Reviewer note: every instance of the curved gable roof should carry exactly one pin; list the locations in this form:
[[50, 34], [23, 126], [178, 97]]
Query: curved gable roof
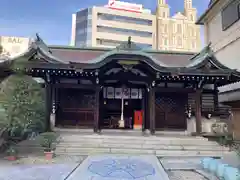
[[131, 51]]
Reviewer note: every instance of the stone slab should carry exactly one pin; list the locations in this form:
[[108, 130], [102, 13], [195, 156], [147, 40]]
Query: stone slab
[[181, 164], [120, 167], [36, 172]]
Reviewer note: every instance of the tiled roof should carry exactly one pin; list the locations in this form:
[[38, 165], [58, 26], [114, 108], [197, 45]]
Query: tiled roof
[[229, 87], [76, 55], [97, 57]]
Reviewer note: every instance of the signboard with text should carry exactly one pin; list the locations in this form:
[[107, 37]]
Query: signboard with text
[[13, 46], [120, 5]]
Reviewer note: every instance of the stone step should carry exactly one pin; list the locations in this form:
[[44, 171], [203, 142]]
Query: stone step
[[160, 153], [95, 136], [142, 146], [138, 141]]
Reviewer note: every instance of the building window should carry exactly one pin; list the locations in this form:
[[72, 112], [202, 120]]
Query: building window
[[192, 18], [113, 43], [174, 41], [124, 19], [191, 31], [129, 32], [164, 14], [193, 45], [179, 41], [165, 41], [179, 28], [230, 14], [165, 28]]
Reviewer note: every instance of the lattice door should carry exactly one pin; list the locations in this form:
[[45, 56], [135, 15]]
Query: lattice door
[[170, 111]]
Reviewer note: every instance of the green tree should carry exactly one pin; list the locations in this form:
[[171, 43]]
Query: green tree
[[22, 99]]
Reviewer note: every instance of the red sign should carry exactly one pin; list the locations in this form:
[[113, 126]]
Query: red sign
[[138, 119], [120, 5]]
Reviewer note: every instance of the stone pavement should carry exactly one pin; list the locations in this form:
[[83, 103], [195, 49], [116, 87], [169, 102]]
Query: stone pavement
[[120, 167], [36, 172], [99, 167], [39, 160]]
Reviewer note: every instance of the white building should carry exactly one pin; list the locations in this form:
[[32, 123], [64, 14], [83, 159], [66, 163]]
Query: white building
[[222, 29], [13, 46]]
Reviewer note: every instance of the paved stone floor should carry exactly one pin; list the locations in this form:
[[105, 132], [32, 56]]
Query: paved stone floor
[[38, 160], [120, 167], [185, 175], [36, 172], [108, 167]]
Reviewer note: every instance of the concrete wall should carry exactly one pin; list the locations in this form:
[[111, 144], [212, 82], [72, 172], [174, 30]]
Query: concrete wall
[[224, 43]]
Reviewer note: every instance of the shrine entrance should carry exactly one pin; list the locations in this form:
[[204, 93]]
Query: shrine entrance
[[121, 108], [170, 111]]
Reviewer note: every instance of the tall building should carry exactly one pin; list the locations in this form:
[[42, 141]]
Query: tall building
[[222, 29], [112, 24], [179, 32], [108, 27]]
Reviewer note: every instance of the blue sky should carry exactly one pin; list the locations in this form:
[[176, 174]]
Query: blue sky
[[52, 19]]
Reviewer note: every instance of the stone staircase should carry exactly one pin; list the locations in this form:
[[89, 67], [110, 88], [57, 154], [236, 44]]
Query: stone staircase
[[164, 145]]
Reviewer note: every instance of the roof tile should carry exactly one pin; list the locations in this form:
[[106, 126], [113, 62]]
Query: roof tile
[[83, 56]]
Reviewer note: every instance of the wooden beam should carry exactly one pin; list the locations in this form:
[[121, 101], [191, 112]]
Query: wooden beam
[[182, 90], [126, 77], [75, 86]]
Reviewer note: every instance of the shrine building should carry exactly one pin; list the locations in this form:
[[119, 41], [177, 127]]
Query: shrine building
[[127, 87]]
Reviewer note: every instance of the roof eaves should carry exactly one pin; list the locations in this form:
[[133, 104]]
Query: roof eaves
[[168, 52], [51, 57], [80, 48], [200, 20], [43, 49], [229, 87]]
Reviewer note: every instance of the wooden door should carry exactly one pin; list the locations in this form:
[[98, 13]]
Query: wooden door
[[138, 120], [170, 111], [76, 108]]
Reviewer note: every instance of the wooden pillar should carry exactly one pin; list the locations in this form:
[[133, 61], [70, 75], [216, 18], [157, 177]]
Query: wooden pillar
[[198, 111], [96, 114], [48, 102], [152, 109], [215, 98], [144, 110], [53, 109]]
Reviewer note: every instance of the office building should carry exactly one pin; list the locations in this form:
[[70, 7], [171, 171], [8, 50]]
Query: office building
[[110, 25]]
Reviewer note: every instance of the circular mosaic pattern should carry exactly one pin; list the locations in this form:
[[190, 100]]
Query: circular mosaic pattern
[[121, 168]]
